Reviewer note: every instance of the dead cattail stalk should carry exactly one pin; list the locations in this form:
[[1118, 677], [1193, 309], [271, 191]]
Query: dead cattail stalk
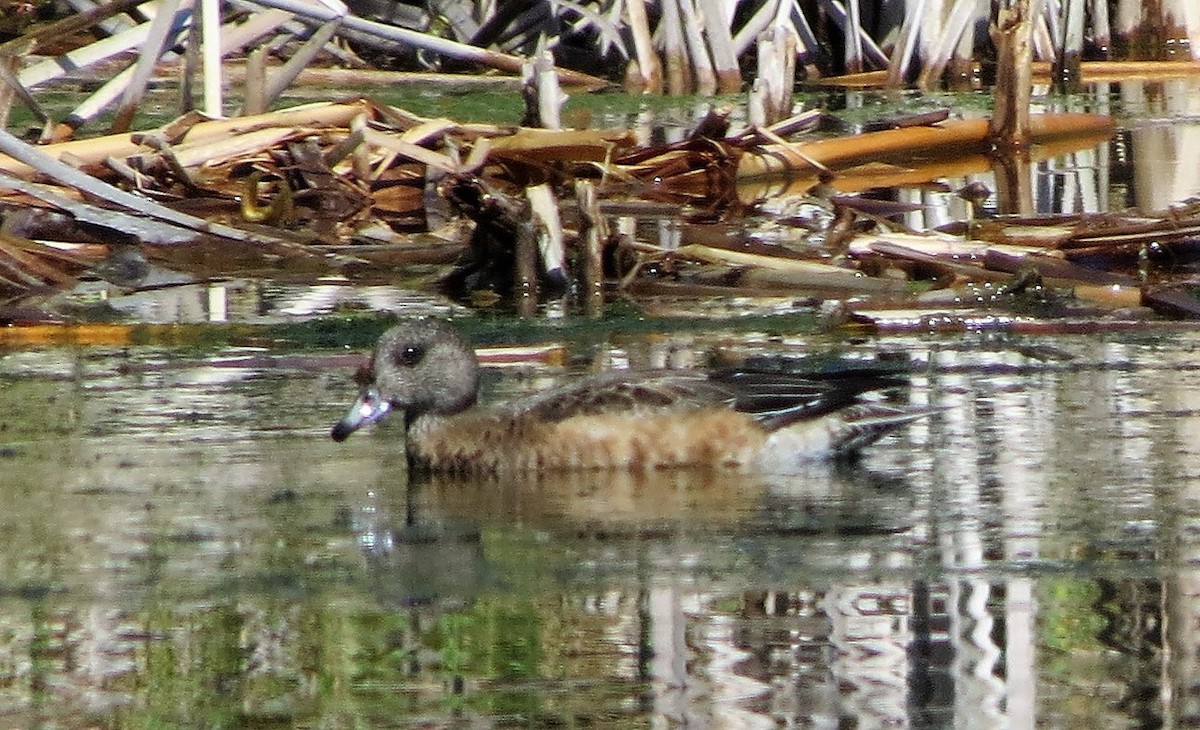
[[646, 75], [671, 30], [593, 232], [720, 43], [1012, 34]]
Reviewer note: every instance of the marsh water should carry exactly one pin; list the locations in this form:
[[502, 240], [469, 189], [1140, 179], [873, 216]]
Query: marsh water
[[182, 545]]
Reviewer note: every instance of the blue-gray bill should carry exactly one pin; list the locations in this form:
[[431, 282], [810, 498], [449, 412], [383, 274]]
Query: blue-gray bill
[[369, 407]]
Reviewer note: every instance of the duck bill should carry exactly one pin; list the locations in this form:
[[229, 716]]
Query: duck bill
[[367, 409]]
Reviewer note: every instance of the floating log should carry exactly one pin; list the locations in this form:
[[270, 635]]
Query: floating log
[[910, 145], [1090, 72], [1179, 299]]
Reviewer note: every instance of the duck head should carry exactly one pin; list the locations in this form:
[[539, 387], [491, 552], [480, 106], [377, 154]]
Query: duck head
[[418, 367]]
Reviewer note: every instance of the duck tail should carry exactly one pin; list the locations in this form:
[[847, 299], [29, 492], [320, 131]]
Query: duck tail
[[862, 424], [837, 435]]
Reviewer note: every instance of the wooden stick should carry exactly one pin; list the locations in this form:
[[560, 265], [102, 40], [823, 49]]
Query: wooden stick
[[371, 30], [284, 77], [593, 231], [702, 67], [729, 76], [671, 28], [910, 144], [161, 30], [648, 79], [1012, 34], [210, 30], [255, 84]]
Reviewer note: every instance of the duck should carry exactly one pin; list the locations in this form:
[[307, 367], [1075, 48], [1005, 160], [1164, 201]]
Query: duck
[[425, 371]]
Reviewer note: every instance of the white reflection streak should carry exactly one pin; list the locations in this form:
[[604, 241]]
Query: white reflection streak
[[978, 695], [1181, 595], [961, 544], [668, 667], [1010, 428], [322, 298], [1129, 404], [1091, 168], [1020, 652], [1027, 425], [697, 693], [729, 689], [1164, 166], [980, 704], [870, 628], [315, 299], [218, 303]]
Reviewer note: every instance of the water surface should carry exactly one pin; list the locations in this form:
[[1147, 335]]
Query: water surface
[[184, 546]]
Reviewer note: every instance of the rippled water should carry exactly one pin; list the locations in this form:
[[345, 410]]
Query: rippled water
[[182, 545]]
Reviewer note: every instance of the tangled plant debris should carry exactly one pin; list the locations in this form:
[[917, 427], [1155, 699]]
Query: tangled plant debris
[[347, 188], [514, 216]]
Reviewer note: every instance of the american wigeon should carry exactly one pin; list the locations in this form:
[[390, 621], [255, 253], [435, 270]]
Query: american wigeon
[[769, 422]]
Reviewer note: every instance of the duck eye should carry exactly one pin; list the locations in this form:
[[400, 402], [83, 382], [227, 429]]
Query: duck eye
[[409, 356]]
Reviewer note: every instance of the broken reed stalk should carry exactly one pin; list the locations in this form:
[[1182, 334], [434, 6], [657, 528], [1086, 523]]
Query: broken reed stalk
[[8, 89], [593, 232], [154, 223], [546, 216], [187, 70], [1070, 47], [156, 42], [278, 82], [386, 36], [95, 151], [541, 92], [525, 278], [963, 12], [701, 62], [1013, 36], [748, 33], [1101, 29], [854, 46], [15, 51], [645, 74], [771, 97], [210, 52], [671, 28], [255, 84], [902, 53], [720, 40]]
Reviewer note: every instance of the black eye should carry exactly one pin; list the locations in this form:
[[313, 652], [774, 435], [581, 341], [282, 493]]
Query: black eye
[[409, 356]]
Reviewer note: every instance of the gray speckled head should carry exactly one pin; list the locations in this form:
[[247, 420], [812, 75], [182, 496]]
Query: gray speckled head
[[419, 366]]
